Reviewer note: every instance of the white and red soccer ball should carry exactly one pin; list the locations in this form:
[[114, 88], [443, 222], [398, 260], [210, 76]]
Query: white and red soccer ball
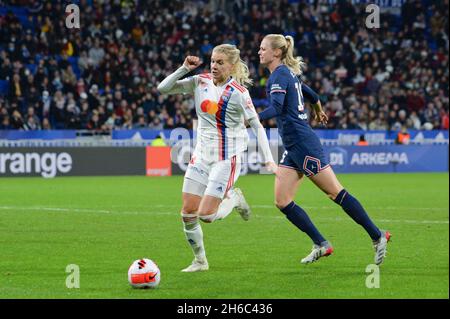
[[144, 273]]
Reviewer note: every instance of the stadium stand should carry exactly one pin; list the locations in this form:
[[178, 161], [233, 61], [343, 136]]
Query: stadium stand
[[103, 76]]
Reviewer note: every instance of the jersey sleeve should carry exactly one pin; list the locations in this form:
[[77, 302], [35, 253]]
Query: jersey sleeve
[[278, 84], [277, 90], [172, 85], [247, 106], [188, 84], [309, 94]]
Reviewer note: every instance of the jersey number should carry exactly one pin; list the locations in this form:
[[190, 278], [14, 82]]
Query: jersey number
[[301, 105]]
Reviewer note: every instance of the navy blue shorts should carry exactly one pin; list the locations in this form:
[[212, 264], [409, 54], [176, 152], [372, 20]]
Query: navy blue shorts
[[306, 160]]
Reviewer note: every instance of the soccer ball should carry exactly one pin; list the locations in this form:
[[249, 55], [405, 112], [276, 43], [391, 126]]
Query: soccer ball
[[144, 273]]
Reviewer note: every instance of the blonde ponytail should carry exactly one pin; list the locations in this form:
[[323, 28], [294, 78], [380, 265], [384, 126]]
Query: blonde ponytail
[[240, 70], [286, 45]]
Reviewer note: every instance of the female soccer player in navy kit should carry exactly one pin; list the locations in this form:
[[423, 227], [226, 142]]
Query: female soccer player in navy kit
[[303, 152]]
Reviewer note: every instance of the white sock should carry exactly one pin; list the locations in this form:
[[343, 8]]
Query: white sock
[[227, 205], [194, 236]]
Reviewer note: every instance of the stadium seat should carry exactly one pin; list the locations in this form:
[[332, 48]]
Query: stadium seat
[[18, 10], [4, 87]]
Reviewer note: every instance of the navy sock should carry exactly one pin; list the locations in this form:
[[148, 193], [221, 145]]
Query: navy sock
[[354, 209], [299, 218]]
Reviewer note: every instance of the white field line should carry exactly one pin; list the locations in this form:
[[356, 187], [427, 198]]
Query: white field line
[[175, 213], [318, 207]]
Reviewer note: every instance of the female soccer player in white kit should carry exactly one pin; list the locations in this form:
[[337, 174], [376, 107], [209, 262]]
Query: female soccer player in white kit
[[222, 104]]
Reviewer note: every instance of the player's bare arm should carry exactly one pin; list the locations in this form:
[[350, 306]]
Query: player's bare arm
[[319, 114]]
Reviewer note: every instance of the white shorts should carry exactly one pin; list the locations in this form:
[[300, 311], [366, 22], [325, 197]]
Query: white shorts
[[211, 178]]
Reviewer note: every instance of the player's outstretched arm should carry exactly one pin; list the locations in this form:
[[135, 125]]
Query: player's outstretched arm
[[275, 107], [319, 114], [192, 62], [313, 97], [172, 83], [263, 144]]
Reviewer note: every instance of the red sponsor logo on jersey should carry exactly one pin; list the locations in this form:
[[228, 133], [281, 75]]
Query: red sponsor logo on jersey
[[208, 106]]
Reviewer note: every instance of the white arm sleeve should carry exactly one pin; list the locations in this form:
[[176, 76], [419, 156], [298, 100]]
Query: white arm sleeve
[[172, 85], [263, 142]]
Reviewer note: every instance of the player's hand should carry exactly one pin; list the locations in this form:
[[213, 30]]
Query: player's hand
[[192, 62], [321, 117], [272, 167]]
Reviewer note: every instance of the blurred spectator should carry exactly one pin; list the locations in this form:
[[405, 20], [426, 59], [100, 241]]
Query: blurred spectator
[[156, 124], [403, 137], [94, 122], [386, 79], [158, 141], [46, 124], [362, 141], [5, 124]]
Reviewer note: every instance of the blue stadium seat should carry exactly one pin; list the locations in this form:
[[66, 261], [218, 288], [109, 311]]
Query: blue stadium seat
[[23, 18], [4, 87], [73, 60], [18, 10]]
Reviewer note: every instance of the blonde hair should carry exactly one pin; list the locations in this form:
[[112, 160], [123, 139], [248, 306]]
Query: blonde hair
[[240, 70], [286, 45]]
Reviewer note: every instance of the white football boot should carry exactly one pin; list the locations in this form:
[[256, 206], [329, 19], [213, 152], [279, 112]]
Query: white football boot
[[380, 246], [317, 252], [197, 265], [242, 207]]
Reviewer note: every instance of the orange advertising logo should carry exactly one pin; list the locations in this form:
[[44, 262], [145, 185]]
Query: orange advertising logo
[[158, 161]]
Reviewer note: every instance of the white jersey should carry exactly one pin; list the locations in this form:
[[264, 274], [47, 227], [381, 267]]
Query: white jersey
[[221, 110]]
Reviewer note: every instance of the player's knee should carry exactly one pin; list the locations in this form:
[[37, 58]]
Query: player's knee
[[333, 194], [189, 217], [189, 208], [281, 203], [207, 217]]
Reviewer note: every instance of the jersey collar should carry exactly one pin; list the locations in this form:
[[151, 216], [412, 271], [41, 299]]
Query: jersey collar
[[282, 64], [226, 83]]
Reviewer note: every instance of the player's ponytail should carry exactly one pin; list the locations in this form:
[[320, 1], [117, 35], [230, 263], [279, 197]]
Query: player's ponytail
[[240, 70], [296, 64], [286, 45]]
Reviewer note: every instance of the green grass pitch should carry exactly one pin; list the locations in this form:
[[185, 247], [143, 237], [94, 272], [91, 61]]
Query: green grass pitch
[[102, 224]]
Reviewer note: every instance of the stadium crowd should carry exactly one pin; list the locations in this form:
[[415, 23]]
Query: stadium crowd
[[104, 75]]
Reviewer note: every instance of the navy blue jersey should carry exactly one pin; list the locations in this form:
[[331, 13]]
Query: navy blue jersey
[[286, 93]]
